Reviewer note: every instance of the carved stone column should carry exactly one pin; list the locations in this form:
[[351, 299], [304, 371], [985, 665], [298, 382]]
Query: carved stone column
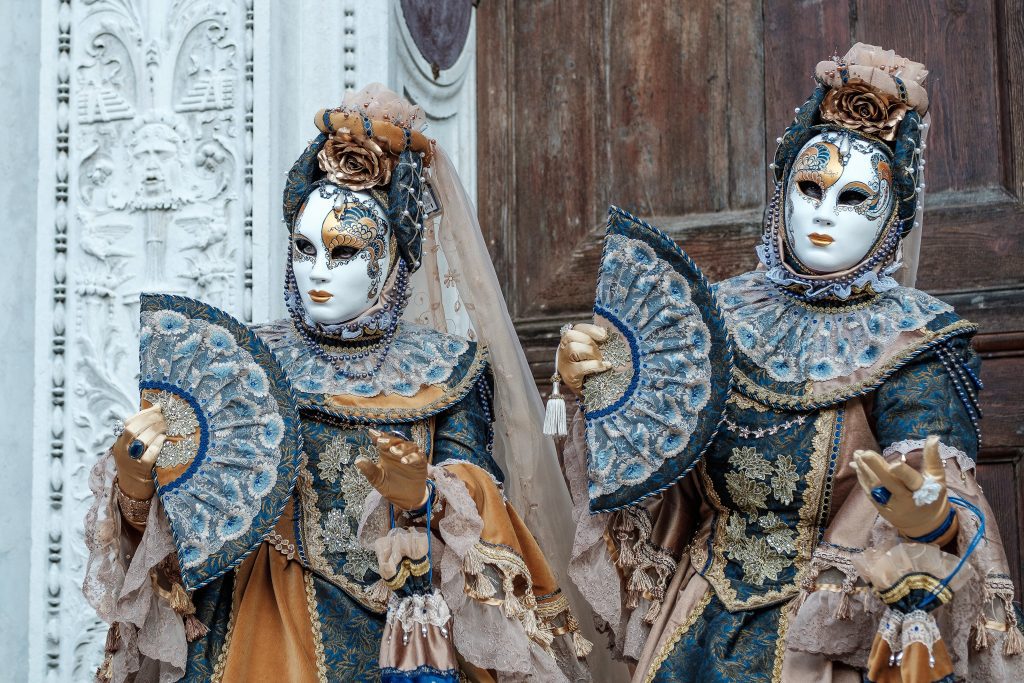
[[166, 128]]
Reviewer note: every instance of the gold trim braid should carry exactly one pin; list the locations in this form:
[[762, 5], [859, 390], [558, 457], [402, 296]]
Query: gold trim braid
[[680, 631]]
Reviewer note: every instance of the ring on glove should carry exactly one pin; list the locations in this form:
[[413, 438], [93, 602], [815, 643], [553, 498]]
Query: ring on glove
[[118, 427], [135, 449], [881, 495]]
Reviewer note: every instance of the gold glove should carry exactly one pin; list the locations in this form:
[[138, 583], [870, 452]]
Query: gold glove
[[401, 474], [913, 502], [579, 356], [135, 475]]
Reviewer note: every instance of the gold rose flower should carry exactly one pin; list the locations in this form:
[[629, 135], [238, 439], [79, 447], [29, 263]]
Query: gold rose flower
[[859, 107], [354, 160]]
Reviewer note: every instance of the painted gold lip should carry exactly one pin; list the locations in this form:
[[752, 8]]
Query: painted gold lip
[[319, 296], [820, 240]]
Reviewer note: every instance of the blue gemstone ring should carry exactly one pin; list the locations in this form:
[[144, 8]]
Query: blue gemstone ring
[[136, 448], [881, 495]]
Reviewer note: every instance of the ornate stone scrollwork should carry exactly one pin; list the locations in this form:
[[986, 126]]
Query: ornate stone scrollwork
[[153, 192]]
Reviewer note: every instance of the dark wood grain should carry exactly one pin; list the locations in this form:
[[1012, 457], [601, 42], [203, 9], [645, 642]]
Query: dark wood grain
[[671, 110]]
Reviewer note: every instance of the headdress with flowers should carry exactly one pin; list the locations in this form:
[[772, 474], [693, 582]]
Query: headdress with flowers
[[371, 142], [876, 95]]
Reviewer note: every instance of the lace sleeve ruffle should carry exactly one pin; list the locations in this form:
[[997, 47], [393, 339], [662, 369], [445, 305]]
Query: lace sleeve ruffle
[[490, 587], [147, 636], [837, 614]]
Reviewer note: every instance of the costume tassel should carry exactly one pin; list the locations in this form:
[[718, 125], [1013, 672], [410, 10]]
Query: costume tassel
[[980, 634], [554, 414], [105, 672], [1014, 642], [581, 647], [653, 612], [194, 629], [180, 602], [843, 608], [485, 588]]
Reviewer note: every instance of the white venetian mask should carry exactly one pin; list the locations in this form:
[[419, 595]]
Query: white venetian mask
[[838, 201], [341, 252]]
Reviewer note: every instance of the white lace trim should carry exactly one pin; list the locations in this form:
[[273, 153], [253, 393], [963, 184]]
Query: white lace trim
[[965, 461], [794, 342], [427, 609], [418, 357]]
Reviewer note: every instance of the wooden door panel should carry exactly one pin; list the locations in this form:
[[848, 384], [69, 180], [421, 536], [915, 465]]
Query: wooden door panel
[[670, 110]]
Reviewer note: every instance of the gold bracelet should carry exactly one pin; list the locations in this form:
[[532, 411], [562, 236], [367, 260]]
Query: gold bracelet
[[134, 510]]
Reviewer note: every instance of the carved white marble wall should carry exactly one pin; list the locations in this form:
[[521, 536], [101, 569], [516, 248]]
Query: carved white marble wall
[[165, 130]]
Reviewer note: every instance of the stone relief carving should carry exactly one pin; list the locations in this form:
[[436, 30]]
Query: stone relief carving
[[153, 193]]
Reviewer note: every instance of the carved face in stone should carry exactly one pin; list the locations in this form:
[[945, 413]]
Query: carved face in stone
[[838, 200], [155, 150], [342, 247]]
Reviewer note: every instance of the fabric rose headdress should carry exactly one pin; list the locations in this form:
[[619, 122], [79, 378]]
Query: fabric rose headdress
[[877, 95], [373, 142]]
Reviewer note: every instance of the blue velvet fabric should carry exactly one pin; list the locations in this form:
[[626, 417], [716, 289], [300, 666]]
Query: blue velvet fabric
[[725, 647]]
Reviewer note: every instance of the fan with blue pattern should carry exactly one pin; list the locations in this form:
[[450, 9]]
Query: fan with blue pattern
[[651, 417], [228, 466]]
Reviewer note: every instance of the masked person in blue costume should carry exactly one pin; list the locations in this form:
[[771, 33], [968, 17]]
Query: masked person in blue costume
[[397, 557], [820, 529]]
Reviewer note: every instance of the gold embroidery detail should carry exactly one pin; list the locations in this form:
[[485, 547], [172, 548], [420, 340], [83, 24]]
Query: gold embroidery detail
[[763, 561], [406, 569], [744, 403], [752, 464], [779, 536], [680, 631], [780, 645], [314, 621], [222, 656], [603, 389], [785, 479], [749, 495], [337, 454]]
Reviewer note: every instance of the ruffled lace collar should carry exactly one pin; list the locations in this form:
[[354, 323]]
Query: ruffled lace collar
[[418, 357], [795, 341]]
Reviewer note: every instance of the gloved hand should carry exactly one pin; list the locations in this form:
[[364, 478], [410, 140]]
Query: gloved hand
[[401, 474], [135, 476], [579, 355], [916, 505]]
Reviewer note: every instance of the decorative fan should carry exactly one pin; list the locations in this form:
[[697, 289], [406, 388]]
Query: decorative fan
[[228, 466], [651, 417]]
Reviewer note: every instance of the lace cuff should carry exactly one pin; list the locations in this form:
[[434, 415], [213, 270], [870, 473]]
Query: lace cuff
[[477, 576], [907, 446], [147, 638]]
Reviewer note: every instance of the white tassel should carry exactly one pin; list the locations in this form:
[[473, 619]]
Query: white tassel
[[554, 415]]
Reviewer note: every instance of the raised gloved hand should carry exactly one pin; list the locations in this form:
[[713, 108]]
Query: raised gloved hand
[[579, 355], [135, 462], [913, 502], [401, 473]]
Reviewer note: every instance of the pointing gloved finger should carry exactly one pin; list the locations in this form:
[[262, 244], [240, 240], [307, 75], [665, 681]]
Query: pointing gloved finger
[[933, 464]]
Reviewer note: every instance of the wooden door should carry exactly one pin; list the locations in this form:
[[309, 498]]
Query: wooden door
[[671, 109]]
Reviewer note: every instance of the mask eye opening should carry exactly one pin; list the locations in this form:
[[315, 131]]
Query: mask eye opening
[[304, 246], [344, 252], [851, 197], [811, 189]]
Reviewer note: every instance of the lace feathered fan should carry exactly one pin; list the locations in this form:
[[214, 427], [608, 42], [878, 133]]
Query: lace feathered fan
[[651, 417], [229, 463]]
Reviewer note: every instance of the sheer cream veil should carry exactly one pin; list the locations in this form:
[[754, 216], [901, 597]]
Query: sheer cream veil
[[456, 290]]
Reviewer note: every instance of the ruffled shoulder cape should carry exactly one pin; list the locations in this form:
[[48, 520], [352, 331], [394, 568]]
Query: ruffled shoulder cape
[[424, 373], [792, 355]]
